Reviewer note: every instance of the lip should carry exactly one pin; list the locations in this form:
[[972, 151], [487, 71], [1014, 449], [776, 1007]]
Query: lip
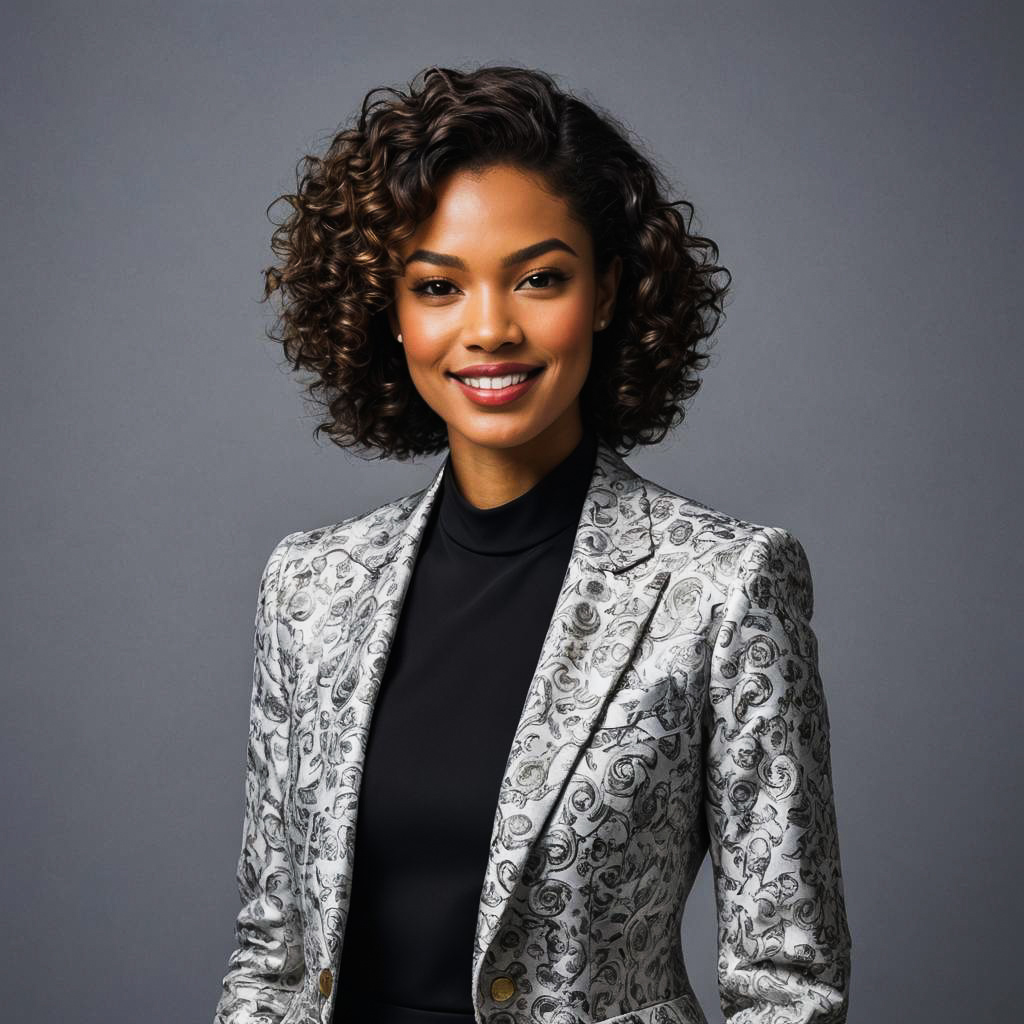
[[495, 369], [498, 396]]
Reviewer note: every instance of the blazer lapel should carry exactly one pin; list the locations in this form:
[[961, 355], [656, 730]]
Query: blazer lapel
[[353, 655], [600, 615]]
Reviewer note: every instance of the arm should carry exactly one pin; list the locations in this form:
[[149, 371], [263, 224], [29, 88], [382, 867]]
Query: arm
[[783, 939], [266, 966]]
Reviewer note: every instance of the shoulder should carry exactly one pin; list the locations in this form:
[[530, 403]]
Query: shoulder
[[310, 571], [732, 549], [364, 539]]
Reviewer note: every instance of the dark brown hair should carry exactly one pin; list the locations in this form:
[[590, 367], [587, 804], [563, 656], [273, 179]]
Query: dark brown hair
[[376, 183]]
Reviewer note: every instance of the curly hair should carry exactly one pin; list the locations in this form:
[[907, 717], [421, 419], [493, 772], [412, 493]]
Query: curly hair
[[376, 183]]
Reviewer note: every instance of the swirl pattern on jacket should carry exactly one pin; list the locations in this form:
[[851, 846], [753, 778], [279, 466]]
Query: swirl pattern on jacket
[[676, 710]]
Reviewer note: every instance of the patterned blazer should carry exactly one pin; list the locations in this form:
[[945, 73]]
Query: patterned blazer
[[676, 708]]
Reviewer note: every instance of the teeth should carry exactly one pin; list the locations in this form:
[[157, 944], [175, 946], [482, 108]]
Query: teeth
[[494, 383]]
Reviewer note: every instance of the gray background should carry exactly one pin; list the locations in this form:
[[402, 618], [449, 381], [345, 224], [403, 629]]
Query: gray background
[[857, 165]]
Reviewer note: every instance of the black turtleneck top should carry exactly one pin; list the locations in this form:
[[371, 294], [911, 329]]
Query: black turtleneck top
[[467, 643]]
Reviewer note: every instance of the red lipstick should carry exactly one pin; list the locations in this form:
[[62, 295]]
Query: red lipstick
[[490, 396]]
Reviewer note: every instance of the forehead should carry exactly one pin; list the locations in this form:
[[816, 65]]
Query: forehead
[[486, 214]]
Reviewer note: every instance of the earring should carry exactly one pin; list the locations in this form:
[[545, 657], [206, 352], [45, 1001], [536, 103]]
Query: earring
[[400, 342], [601, 325]]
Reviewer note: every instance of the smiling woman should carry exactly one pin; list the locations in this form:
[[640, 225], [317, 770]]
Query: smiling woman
[[543, 686], [489, 217]]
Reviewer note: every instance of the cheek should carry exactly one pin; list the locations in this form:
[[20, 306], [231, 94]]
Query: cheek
[[428, 336], [424, 347], [564, 331]]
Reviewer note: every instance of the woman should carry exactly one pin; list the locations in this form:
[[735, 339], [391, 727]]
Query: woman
[[579, 681]]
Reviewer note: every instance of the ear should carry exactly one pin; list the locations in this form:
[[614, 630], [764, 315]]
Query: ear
[[607, 289]]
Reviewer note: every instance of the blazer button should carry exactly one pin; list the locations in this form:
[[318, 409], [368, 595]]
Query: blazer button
[[502, 989], [326, 982]]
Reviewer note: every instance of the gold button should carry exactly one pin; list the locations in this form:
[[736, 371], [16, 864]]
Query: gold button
[[502, 989], [326, 982]]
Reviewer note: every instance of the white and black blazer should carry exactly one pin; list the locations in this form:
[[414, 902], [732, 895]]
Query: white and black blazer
[[676, 708]]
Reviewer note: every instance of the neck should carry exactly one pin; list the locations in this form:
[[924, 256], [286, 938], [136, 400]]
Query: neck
[[490, 476]]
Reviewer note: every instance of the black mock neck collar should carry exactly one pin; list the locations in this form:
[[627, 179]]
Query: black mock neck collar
[[553, 504]]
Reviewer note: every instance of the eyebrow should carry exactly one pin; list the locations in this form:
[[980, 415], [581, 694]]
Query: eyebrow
[[442, 259]]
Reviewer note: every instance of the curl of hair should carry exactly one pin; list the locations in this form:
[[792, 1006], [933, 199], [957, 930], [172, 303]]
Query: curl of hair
[[376, 183]]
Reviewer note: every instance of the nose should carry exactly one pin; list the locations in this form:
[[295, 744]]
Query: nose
[[489, 322]]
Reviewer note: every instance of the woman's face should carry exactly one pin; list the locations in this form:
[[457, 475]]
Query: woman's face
[[500, 273]]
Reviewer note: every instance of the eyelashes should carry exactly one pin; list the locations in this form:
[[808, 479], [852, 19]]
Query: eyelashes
[[422, 287]]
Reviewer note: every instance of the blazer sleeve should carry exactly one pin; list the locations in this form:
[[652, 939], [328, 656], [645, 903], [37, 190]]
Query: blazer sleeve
[[266, 966], [783, 938]]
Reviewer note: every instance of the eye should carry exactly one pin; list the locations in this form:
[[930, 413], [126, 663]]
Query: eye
[[422, 287], [556, 275]]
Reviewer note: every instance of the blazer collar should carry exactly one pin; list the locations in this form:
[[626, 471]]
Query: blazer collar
[[600, 616], [613, 533]]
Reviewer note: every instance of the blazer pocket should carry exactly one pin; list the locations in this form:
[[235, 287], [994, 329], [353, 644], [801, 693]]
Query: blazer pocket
[[662, 694], [682, 1009]]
